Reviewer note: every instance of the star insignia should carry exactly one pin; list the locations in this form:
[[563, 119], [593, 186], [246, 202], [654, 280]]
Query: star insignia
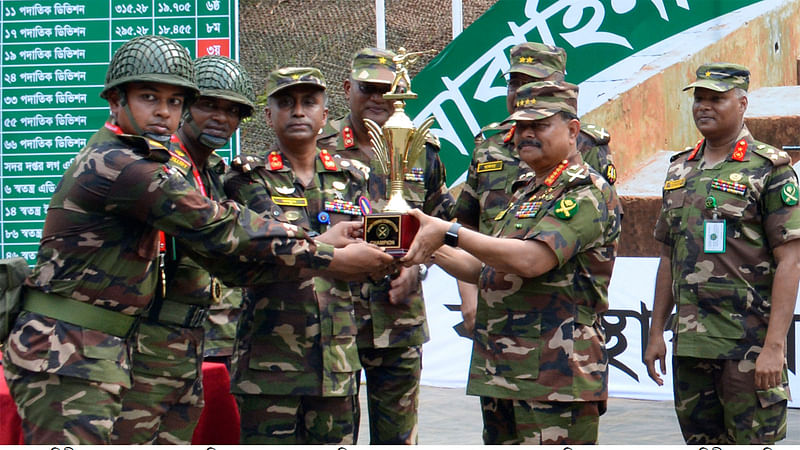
[[382, 60], [708, 74], [295, 76]]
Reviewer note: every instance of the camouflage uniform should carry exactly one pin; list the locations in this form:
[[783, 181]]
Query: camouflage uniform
[[164, 404], [166, 399], [495, 164], [67, 361], [221, 326], [295, 362], [390, 336], [723, 299], [539, 349]]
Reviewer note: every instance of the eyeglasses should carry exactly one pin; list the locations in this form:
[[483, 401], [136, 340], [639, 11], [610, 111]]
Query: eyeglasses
[[372, 88]]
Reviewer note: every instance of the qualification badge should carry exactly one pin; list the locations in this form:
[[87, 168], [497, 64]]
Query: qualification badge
[[789, 194], [566, 208]]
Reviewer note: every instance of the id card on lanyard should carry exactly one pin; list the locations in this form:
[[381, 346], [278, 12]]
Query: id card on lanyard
[[714, 236]]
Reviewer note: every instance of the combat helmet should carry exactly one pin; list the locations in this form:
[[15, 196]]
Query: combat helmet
[[221, 77], [150, 58]]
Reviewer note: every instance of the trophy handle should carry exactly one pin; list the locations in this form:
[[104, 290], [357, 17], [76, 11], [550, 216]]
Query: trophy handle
[[417, 145], [378, 144]]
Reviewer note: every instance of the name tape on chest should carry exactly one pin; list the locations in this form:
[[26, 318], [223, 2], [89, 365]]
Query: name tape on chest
[[290, 201], [671, 185], [490, 166]]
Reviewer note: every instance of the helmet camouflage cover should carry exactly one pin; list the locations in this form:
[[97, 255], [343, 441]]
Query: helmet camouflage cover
[[221, 77], [150, 59]]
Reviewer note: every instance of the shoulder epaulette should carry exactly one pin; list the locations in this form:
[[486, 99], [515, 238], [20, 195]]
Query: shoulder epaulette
[[599, 134], [147, 148], [678, 154], [245, 163], [777, 157]]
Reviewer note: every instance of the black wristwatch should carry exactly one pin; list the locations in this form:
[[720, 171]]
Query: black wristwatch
[[451, 237]]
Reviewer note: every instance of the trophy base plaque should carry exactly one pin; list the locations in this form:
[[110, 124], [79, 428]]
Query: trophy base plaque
[[392, 231]]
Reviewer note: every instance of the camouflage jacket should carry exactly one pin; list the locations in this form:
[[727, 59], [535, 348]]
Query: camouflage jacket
[[496, 166], [100, 243], [163, 348], [297, 338], [540, 338], [723, 299], [382, 324]]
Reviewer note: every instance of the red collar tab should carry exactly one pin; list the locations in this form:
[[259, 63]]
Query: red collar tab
[[510, 134], [327, 160], [551, 179], [696, 149], [275, 161], [347, 137], [114, 128], [739, 151]]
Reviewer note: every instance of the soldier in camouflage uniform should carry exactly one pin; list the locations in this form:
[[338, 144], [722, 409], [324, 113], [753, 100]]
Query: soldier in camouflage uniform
[[496, 170], [67, 359], [164, 404], [295, 363], [391, 313], [538, 354], [730, 226]]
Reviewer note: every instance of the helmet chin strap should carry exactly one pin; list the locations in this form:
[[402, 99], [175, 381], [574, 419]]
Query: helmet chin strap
[[206, 139]]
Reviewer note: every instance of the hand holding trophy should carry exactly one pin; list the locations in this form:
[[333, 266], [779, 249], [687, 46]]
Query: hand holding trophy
[[397, 145]]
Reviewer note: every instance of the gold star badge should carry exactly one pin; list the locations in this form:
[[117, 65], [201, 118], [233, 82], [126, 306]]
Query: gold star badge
[[708, 74], [295, 76], [382, 60]]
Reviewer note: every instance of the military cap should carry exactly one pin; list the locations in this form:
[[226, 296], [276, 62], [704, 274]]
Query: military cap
[[537, 60], [373, 65], [284, 77], [721, 77], [543, 99]]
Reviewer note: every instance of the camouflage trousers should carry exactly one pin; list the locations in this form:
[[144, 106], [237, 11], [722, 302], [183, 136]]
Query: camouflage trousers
[[290, 420], [159, 410], [717, 403], [61, 410], [392, 376], [507, 421]]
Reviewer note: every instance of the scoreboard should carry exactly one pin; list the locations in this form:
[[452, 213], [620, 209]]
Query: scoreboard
[[55, 56]]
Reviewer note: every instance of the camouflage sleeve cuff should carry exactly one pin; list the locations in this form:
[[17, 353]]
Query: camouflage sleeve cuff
[[322, 257]]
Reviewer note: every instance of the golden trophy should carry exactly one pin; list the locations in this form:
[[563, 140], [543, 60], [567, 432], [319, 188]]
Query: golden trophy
[[397, 145]]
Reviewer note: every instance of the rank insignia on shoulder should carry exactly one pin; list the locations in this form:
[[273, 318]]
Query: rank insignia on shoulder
[[611, 174], [341, 206], [566, 209], [327, 160], [576, 172], [490, 166], [292, 215], [671, 185], [347, 137], [528, 209], [290, 201], [789, 194], [416, 174]]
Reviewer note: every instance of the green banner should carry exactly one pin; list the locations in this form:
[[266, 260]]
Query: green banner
[[464, 88]]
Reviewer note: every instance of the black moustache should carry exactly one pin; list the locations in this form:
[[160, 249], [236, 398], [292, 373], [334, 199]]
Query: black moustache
[[530, 142]]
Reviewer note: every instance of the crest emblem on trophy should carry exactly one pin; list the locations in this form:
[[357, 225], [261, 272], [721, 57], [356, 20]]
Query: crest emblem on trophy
[[397, 145]]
